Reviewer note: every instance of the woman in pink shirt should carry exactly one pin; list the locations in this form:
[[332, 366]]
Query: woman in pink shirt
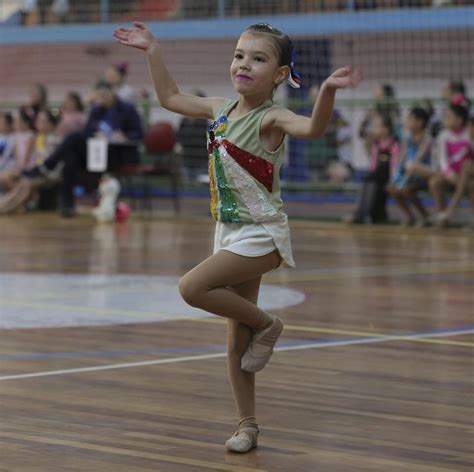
[[72, 118]]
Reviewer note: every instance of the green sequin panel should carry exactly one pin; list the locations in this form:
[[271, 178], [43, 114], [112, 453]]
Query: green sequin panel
[[229, 209]]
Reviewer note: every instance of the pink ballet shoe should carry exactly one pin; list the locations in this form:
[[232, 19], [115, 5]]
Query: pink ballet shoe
[[261, 347], [243, 440]]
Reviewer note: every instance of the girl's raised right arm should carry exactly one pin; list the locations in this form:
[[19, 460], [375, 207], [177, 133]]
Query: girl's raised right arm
[[167, 91]]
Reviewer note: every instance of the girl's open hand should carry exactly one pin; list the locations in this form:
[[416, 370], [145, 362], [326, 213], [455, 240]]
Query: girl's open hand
[[139, 37], [344, 77]]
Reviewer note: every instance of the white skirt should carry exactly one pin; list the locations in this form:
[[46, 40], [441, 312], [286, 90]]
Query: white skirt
[[255, 239]]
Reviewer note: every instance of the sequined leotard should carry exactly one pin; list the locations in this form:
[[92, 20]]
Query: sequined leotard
[[245, 186]]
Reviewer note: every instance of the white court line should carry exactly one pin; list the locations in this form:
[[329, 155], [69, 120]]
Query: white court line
[[174, 360]]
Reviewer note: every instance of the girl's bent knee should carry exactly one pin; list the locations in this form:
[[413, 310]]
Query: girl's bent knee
[[187, 291]]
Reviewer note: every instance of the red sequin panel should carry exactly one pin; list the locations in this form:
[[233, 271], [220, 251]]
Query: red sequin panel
[[259, 168]]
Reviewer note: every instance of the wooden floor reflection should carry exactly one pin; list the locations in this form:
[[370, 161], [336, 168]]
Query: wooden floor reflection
[[375, 370]]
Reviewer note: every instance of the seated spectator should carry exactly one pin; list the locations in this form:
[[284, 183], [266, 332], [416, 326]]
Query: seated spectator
[[415, 153], [7, 141], [116, 76], [72, 117], [455, 156], [192, 144], [21, 192], [24, 149], [110, 119], [383, 158], [46, 138], [38, 100]]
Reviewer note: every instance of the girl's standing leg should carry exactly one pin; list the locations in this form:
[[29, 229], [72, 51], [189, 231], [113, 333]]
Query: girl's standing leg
[[239, 337], [227, 285]]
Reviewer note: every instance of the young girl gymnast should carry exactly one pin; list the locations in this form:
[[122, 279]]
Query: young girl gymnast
[[245, 155]]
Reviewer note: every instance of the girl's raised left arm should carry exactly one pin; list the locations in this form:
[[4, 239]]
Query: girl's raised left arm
[[300, 126]]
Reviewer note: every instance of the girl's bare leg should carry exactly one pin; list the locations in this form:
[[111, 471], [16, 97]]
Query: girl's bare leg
[[227, 284], [422, 171], [412, 196], [437, 187], [7, 179], [398, 195], [460, 189], [239, 336], [208, 286]]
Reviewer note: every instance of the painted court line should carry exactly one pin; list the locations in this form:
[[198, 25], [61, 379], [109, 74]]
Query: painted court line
[[364, 334], [174, 360]]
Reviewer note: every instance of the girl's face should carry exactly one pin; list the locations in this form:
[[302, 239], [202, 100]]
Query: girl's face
[[414, 125], [451, 121], [255, 70], [43, 125], [379, 130]]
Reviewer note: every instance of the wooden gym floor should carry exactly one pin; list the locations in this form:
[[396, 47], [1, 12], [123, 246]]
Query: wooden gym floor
[[102, 368]]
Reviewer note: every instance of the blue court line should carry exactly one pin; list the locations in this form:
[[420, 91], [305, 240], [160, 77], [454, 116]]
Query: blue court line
[[286, 345]]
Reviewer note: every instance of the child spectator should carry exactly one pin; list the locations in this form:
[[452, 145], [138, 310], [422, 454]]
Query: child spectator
[[24, 149], [73, 118], [7, 141], [383, 157], [449, 89], [415, 152], [385, 104], [454, 158]]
